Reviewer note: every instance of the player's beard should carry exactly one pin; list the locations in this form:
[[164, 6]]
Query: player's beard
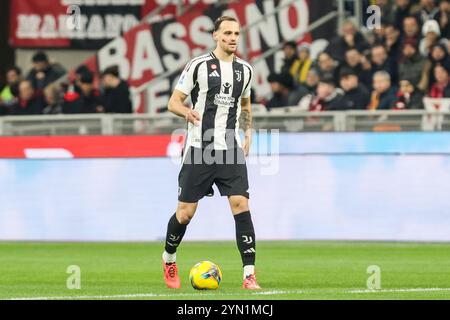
[[230, 50]]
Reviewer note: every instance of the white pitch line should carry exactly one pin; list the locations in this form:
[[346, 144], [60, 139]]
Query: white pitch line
[[154, 295], [399, 290], [261, 293]]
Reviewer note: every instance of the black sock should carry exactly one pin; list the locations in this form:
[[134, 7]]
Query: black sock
[[245, 237], [175, 233]]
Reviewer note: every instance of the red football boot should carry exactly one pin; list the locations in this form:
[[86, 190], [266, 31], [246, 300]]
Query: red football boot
[[171, 275], [250, 283]]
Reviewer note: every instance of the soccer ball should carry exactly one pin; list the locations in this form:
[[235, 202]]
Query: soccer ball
[[205, 275]]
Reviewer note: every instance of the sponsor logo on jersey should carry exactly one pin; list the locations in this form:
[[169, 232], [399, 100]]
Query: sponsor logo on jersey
[[214, 74]]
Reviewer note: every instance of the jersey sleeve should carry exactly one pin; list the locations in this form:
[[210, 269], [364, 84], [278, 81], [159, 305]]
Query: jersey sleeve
[[248, 84], [186, 82]]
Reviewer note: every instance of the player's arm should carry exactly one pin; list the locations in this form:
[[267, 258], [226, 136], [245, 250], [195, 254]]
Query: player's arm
[[176, 105], [183, 88], [246, 118]]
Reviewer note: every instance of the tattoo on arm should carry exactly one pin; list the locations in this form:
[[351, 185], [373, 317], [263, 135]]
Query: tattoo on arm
[[246, 117]]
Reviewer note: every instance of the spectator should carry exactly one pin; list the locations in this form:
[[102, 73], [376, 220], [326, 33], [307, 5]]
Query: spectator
[[356, 96], [441, 89], [381, 62], [78, 73], [281, 86], [307, 88], [328, 97], [354, 61], [428, 10], [327, 65], [387, 10], [301, 66], [116, 98], [29, 102], [384, 95], [9, 93], [439, 55], [393, 42], [88, 101], [290, 56], [431, 34], [444, 23], [412, 65], [52, 97], [378, 35], [411, 30], [43, 73], [404, 8], [350, 37], [408, 96], [312, 81]]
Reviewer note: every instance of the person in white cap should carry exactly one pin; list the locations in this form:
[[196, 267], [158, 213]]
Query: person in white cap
[[431, 34]]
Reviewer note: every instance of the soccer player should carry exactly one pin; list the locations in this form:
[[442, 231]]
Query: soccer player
[[219, 85]]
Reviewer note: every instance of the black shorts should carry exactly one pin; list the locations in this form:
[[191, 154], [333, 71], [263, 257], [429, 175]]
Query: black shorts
[[225, 168]]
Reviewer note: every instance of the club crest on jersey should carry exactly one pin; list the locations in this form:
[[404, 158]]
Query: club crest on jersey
[[226, 88], [238, 75]]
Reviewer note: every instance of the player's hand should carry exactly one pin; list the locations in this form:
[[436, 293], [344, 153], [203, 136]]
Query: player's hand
[[247, 144], [192, 116]]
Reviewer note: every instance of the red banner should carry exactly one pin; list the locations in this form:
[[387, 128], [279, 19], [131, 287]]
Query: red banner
[[69, 147], [149, 50], [36, 23]]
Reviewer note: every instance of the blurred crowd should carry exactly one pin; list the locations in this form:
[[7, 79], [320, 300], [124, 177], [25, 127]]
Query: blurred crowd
[[46, 90], [391, 67]]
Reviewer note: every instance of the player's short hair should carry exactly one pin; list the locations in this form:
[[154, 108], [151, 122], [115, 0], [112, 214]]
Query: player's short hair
[[221, 19]]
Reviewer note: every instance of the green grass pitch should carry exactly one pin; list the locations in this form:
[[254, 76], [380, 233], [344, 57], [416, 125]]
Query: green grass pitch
[[285, 270]]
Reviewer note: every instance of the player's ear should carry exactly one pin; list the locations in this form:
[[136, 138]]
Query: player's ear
[[215, 35]]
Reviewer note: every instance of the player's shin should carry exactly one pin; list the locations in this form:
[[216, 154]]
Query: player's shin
[[175, 233], [245, 238]]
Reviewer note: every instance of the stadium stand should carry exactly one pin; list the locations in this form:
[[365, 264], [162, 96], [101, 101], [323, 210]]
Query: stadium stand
[[392, 67]]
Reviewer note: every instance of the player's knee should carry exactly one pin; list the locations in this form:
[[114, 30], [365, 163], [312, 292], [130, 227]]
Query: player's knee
[[185, 214], [239, 206]]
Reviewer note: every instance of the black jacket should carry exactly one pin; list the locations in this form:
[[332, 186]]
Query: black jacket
[[389, 66], [357, 98], [53, 73], [31, 107], [414, 101], [278, 100], [83, 104], [337, 47], [117, 100]]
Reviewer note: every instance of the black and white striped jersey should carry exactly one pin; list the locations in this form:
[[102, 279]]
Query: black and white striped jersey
[[216, 88]]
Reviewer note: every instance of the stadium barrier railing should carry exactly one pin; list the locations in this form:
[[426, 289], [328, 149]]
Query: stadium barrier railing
[[288, 119]]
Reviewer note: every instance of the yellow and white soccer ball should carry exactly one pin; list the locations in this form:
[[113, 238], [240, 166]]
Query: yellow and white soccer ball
[[205, 275]]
